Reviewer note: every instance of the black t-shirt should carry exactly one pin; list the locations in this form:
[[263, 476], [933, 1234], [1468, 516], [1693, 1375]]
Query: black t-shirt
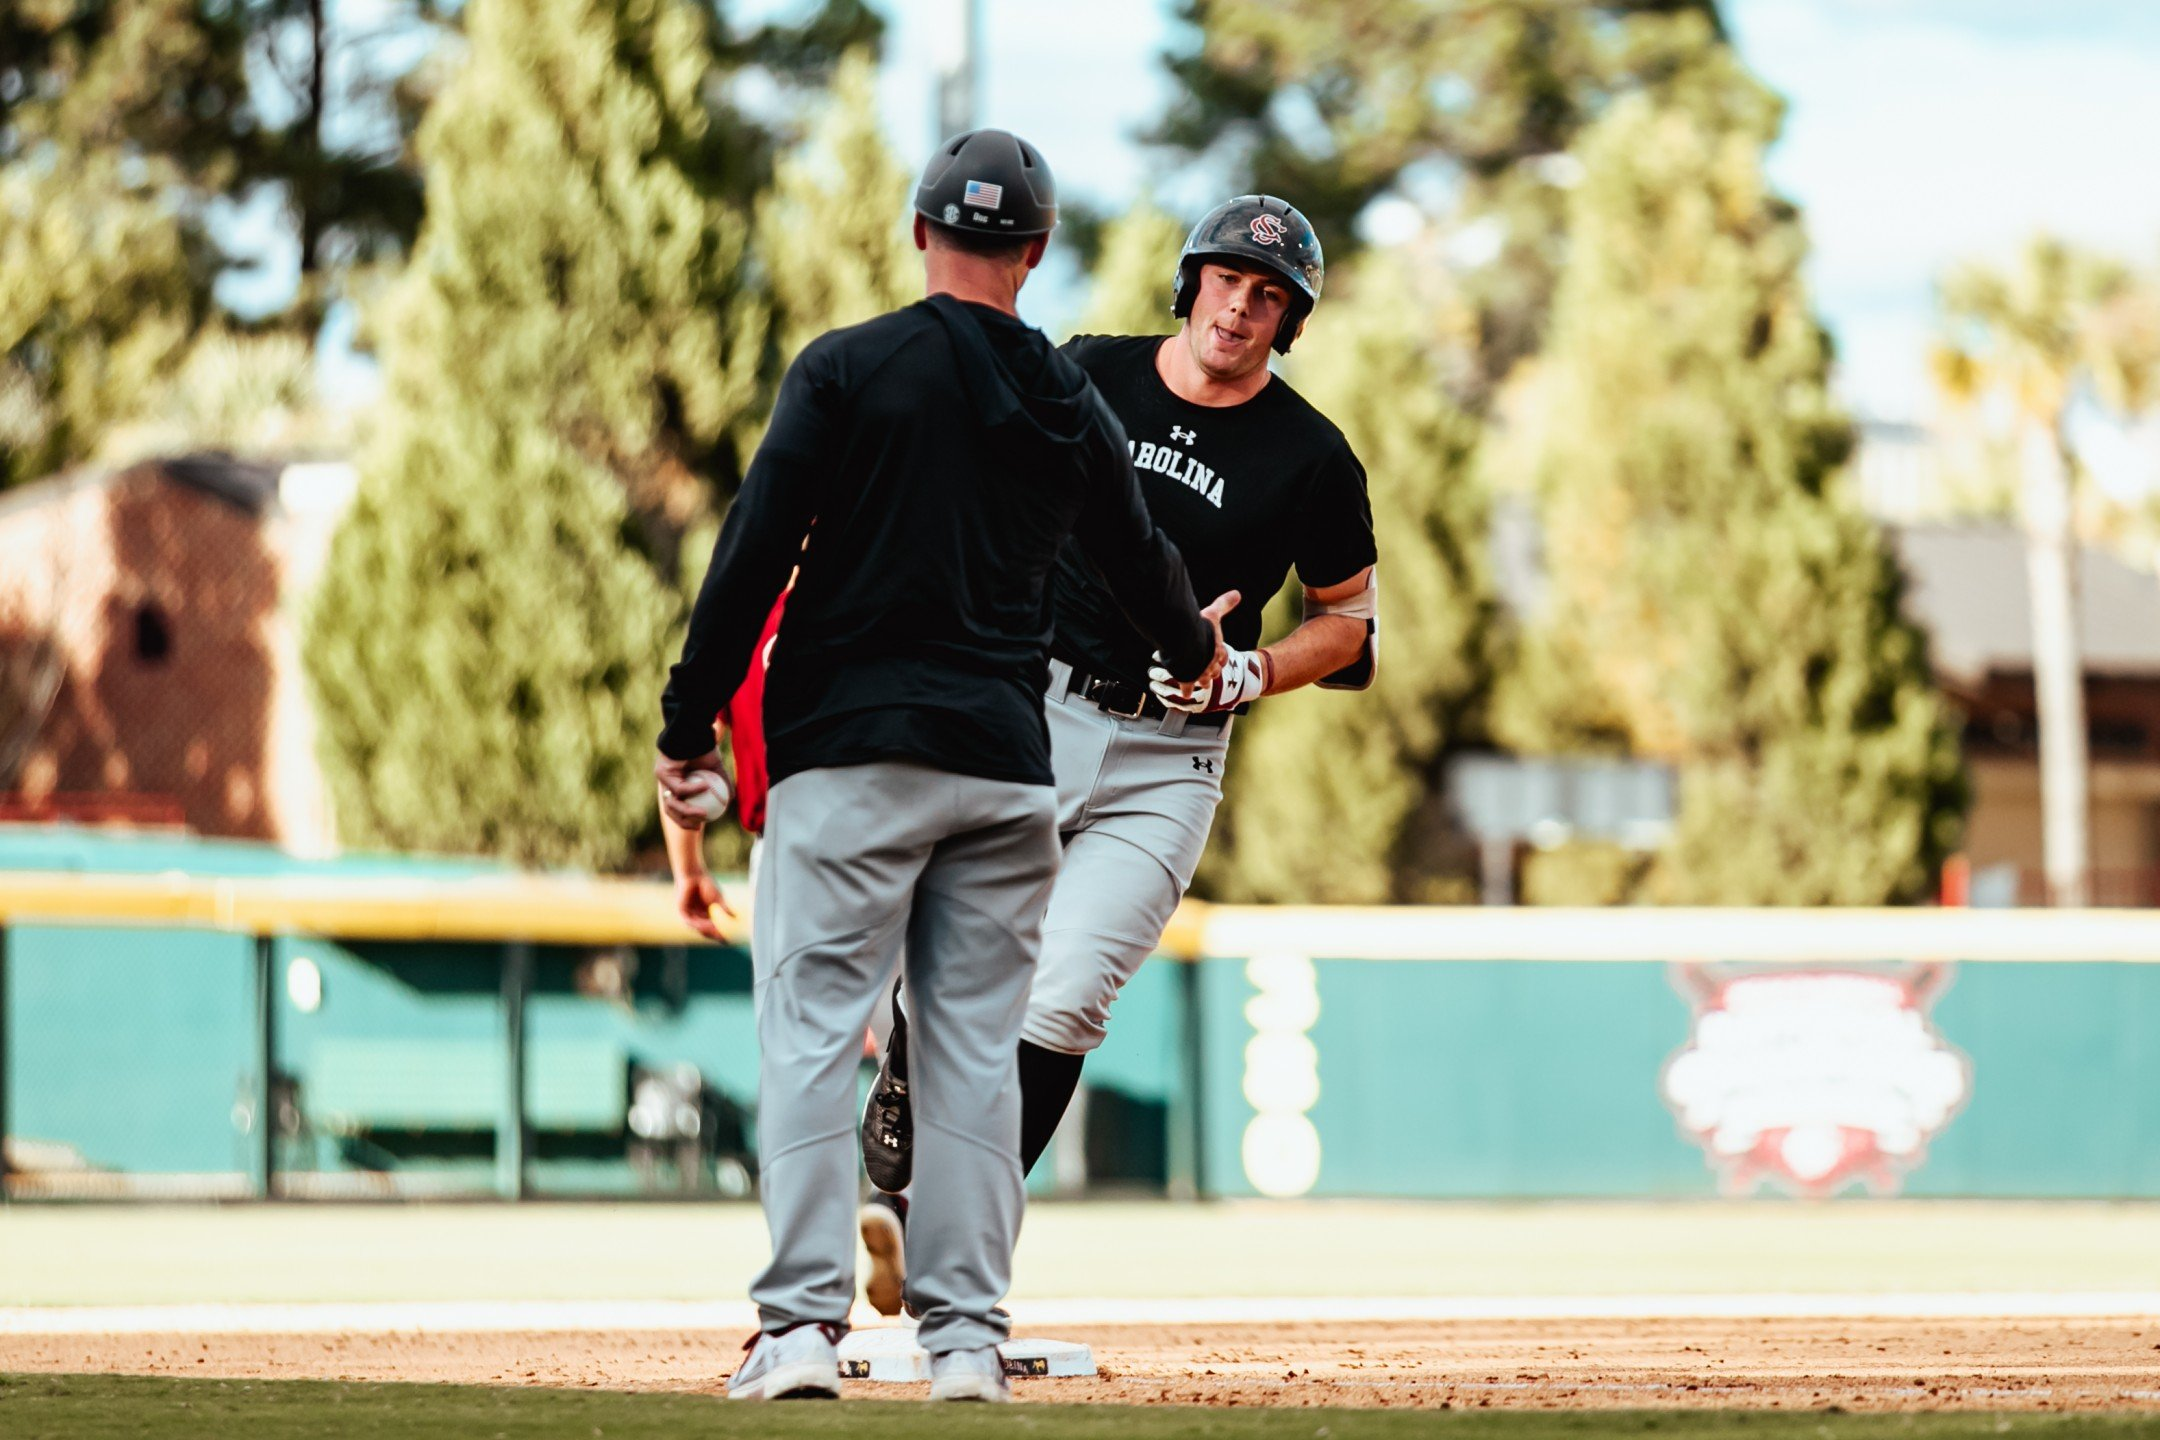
[[936, 458], [1246, 491]]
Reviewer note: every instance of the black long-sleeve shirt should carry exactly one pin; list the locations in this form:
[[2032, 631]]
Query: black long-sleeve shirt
[[936, 458]]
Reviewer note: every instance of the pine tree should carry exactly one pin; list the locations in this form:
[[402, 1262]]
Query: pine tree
[[121, 128], [582, 267], [1333, 110], [246, 393], [100, 292], [484, 650], [833, 231], [568, 349], [162, 80], [1129, 293], [234, 102], [113, 120], [1715, 598], [344, 205], [1329, 794]]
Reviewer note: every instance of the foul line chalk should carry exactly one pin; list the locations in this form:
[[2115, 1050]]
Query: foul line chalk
[[497, 1317], [1973, 1305]]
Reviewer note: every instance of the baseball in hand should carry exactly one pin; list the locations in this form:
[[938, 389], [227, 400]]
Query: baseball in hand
[[706, 793]]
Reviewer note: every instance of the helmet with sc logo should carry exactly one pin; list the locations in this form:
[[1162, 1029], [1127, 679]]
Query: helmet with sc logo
[[1255, 229]]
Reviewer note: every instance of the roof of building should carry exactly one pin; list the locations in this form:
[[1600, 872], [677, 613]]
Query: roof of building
[[1966, 585], [250, 485], [1969, 588]]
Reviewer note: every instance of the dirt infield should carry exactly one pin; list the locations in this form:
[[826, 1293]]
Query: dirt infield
[[1545, 1364]]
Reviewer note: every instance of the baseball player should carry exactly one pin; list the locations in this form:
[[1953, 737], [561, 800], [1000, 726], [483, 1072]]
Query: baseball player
[[1249, 481], [946, 452]]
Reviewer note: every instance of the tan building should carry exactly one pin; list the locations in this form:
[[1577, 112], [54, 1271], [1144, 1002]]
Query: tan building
[[1969, 588], [149, 646]]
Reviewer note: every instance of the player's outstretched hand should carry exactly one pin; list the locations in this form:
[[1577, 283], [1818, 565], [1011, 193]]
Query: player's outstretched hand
[[693, 793], [697, 899], [1245, 676]]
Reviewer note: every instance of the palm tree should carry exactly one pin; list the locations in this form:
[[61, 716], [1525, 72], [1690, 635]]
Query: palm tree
[[2057, 324]]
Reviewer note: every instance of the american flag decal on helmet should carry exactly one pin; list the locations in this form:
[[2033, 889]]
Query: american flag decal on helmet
[[978, 195]]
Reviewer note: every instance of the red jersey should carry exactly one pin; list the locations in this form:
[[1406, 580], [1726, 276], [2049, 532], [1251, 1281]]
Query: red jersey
[[745, 717]]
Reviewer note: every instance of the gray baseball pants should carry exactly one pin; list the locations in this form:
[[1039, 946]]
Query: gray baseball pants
[[1136, 799], [856, 859]]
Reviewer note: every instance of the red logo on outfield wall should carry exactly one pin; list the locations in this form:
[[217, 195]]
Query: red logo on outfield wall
[[1811, 1081]]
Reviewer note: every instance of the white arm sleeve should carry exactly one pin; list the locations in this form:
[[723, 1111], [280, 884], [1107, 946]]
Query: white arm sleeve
[[1365, 605]]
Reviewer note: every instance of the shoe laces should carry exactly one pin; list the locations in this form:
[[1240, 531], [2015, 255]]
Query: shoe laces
[[832, 1332]]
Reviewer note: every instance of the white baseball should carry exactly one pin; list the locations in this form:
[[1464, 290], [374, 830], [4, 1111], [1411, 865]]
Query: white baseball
[[705, 793]]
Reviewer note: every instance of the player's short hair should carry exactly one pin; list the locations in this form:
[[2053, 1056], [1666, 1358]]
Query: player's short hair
[[1008, 248]]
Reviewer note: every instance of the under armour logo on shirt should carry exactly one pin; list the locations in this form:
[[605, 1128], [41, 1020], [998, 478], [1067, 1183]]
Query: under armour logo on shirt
[[1179, 432]]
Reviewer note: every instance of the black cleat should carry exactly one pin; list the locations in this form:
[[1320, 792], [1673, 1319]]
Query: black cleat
[[883, 1222], [888, 1133]]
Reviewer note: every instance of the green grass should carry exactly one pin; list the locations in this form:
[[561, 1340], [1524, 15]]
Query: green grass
[[117, 1255], [91, 1408]]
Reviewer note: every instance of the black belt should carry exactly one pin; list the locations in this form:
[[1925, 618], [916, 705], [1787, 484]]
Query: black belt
[[1128, 701]]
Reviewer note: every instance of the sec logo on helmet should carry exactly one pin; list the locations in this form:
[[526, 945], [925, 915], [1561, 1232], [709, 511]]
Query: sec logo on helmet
[[1268, 229]]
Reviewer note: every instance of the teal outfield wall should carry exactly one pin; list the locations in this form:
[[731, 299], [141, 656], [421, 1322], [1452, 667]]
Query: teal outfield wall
[[1443, 1079], [131, 1047], [134, 1051], [1467, 1078]]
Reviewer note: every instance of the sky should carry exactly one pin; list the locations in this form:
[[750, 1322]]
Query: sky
[[1923, 132], [1919, 133]]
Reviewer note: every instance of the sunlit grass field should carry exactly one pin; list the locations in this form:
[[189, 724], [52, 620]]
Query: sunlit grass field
[[93, 1408], [126, 1255]]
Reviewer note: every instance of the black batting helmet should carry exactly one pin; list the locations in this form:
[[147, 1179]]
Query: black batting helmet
[[989, 182], [1250, 229]]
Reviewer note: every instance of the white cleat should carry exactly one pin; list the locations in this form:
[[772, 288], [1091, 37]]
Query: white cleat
[[969, 1375], [798, 1363]]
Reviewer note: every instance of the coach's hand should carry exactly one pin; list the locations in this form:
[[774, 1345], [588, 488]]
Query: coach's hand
[[697, 897], [1220, 606], [687, 788]]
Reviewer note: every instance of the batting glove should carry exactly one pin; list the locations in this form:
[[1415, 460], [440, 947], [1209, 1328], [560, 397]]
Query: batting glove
[[1245, 676]]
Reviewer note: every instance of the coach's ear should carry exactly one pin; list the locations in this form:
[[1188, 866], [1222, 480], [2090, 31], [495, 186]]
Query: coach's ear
[[1035, 250], [922, 233]]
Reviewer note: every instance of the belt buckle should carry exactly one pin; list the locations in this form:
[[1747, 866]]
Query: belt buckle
[[1139, 704], [1139, 707]]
